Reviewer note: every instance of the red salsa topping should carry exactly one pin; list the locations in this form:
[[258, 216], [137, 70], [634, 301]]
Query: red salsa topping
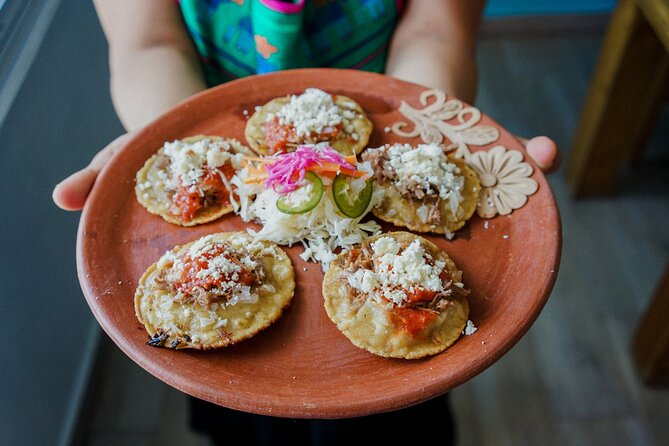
[[420, 295], [210, 190], [278, 135], [411, 320], [189, 279]]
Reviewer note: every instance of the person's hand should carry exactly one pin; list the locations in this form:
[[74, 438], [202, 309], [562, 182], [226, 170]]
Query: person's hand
[[543, 151], [71, 193]]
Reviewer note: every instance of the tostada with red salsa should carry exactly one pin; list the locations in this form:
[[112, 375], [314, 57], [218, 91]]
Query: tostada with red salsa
[[397, 295], [314, 116], [214, 291], [187, 182]]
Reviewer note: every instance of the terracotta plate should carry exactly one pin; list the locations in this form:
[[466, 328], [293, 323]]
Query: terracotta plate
[[302, 366]]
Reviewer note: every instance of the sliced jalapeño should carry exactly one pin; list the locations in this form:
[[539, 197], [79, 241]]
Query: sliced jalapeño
[[303, 199], [349, 205]]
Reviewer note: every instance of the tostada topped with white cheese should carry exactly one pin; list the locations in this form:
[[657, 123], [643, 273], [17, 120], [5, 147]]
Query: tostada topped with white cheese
[[422, 187], [187, 182], [309, 118], [397, 295], [214, 291]]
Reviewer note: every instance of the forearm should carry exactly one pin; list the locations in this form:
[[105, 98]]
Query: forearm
[[152, 60], [147, 82], [436, 64], [435, 45]]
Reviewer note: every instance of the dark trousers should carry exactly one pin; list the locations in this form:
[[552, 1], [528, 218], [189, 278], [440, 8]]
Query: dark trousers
[[426, 422]]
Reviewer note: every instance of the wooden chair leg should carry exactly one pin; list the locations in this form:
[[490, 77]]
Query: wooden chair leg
[[650, 345], [645, 132], [632, 70]]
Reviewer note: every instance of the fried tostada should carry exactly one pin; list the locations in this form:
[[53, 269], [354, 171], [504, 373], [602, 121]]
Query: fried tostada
[[314, 116], [397, 295], [424, 189], [215, 291], [187, 182]]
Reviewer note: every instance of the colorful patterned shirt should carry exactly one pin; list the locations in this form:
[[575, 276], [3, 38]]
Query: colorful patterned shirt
[[237, 38]]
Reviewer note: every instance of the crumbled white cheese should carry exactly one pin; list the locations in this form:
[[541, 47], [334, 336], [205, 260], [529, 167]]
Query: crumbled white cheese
[[210, 253], [396, 273], [470, 328], [217, 267], [188, 159], [144, 185], [386, 245], [423, 213], [314, 111], [429, 167], [166, 260], [242, 241], [364, 280]]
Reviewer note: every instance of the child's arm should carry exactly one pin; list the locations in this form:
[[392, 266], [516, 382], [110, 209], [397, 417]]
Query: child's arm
[[435, 45], [153, 67], [152, 60]]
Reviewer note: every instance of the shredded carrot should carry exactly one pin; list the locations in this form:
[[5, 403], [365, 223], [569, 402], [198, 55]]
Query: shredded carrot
[[354, 173], [331, 173], [351, 159], [325, 166], [263, 160], [320, 169], [255, 180], [253, 170], [256, 174]]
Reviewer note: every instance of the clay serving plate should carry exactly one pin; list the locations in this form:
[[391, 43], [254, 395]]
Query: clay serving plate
[[302, 366]]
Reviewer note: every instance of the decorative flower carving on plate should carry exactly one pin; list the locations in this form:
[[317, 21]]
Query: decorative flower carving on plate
[[432, 126], [505, 180]]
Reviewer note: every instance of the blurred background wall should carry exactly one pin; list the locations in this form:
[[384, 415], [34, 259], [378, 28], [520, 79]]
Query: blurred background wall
[[56, 113]]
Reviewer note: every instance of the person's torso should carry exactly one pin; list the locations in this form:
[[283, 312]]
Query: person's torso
[[237, 38]]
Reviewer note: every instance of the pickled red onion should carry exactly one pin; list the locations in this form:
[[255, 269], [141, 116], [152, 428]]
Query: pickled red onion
[[286, 171]]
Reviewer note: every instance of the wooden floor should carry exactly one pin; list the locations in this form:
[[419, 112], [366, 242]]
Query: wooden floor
[[569, 381]]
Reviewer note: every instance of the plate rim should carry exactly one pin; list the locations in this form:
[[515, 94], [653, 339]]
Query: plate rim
[[172, 378]]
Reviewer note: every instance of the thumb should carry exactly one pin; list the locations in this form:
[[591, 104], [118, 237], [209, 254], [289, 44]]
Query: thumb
[[71, 193], [543, 151]]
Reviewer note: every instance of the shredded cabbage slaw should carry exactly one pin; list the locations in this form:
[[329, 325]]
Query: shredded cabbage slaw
[[323, 229]]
